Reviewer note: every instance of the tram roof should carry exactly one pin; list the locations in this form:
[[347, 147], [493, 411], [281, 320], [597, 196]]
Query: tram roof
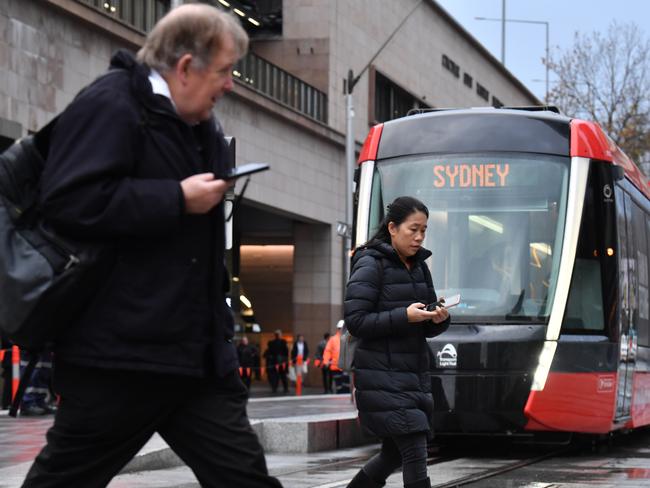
[[476, 130], [540, 130]]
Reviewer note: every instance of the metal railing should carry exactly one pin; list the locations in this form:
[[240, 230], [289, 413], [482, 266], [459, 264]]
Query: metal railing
[[141, 14], [253, 71], [281, 86]]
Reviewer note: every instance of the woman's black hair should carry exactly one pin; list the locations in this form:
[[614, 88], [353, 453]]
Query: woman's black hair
[[397, 212]]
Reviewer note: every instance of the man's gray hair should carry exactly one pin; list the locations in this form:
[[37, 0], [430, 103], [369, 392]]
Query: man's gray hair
[[197, 29]]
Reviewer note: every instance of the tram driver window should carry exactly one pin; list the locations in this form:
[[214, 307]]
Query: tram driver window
[[584, 310], [585, 305]]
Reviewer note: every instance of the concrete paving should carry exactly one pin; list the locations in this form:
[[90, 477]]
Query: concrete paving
[[625, 464], [284, 424]]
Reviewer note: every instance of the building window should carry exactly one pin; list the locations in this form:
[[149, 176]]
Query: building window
[[468, 80], [141, 14], [482, 92], [496, 102], [391, 101], [451, 66], [262, 19]]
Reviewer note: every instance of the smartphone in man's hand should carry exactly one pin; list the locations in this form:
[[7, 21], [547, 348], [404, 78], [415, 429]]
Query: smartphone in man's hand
[[245, 170]]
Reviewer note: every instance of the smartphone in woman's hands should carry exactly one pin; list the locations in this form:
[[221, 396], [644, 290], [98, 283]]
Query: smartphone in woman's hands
[[448, 302]]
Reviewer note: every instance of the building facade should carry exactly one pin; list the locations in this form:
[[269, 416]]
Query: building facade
[[287, 109]]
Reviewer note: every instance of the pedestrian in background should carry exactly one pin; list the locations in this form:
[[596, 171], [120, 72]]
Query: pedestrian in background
[[7, 373], [37, 399], [277, 359], [299, 356], [331, 355], [318, 361], [385, 307], [257, 361], [134, 163], [245, 353]]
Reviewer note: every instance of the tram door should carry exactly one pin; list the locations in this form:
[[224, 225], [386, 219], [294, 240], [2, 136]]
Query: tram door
[[628, 294]]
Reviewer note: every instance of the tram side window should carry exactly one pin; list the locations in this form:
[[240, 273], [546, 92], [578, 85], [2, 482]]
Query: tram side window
[[376, 207], [641, 307], [584, 310]]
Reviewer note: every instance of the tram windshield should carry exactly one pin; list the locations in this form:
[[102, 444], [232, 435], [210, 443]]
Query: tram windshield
[[495, 228]]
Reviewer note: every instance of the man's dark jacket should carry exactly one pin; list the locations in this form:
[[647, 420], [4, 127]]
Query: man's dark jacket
[[277, 352], [391, 361], [117, 157]]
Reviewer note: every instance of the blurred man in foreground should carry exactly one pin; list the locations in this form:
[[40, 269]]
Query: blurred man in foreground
[[134, 163]]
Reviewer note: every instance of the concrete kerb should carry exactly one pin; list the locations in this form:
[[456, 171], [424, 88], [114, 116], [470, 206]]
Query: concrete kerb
[[156, 454], [297, 435], [311, 433]]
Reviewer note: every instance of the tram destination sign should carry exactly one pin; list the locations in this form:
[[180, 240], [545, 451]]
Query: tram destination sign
[[478, 175]]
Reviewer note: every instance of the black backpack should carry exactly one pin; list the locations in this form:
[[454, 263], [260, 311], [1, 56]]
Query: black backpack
[[45, 278]]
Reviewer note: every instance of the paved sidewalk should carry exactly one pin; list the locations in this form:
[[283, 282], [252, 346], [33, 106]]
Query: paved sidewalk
[[22, 438]]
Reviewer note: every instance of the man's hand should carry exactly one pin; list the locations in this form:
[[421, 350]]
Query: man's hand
[[202, 192]]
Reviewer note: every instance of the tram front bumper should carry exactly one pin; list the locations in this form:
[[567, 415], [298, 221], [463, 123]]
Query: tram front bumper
[[479, 403]]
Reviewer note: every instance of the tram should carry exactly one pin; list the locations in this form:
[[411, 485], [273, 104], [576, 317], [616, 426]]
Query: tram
[[542, 225]]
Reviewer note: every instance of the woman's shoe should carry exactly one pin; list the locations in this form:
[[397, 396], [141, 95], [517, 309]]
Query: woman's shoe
[[425, 483], [362, 480]]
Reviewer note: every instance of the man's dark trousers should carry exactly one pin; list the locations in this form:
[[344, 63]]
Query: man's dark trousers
[[106, 416]]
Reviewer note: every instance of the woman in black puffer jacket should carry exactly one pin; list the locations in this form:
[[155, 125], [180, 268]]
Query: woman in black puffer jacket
[[389, 288]]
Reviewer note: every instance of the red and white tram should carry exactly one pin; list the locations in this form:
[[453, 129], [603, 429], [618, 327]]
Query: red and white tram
[[542, 224]]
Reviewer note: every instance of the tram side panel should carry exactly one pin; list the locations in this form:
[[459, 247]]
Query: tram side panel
[[598, 385]]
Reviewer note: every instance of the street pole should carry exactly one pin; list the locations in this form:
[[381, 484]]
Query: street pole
[[503, 20], [349, 171], [503, 32], [546, 63], [349, 85]]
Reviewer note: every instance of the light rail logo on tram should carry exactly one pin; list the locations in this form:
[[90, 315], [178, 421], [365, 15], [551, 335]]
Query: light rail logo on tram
[[542, 224]]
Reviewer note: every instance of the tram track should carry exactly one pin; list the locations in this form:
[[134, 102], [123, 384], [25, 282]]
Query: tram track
[[352, 461], [462, 481], [490, 473]]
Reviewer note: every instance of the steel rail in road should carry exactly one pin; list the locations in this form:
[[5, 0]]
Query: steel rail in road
[[490, 473], [456, 483]]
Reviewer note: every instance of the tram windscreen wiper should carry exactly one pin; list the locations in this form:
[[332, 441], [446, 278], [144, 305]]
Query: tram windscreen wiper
[[515, 317]]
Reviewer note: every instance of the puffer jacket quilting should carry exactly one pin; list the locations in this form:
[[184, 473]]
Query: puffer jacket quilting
[[392, 358]]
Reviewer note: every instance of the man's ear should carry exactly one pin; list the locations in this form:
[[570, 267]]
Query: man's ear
[[183, 66]]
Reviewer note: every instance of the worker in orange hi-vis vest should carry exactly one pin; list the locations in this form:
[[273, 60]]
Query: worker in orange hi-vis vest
[[331, 359], [320, 363]]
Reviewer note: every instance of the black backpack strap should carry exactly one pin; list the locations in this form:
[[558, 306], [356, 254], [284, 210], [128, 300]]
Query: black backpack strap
[[42, 137], [380, 269], [427, 273]]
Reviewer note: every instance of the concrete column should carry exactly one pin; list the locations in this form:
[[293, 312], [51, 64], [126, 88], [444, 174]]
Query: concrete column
[[314, 308]]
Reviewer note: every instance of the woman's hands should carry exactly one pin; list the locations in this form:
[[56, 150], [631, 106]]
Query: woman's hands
[[417, 312]]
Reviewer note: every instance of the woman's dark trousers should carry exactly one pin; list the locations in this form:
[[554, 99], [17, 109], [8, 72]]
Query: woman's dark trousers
[[408, 451]]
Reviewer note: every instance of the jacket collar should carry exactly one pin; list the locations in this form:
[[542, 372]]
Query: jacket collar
[[385, 250], [140, 84]]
